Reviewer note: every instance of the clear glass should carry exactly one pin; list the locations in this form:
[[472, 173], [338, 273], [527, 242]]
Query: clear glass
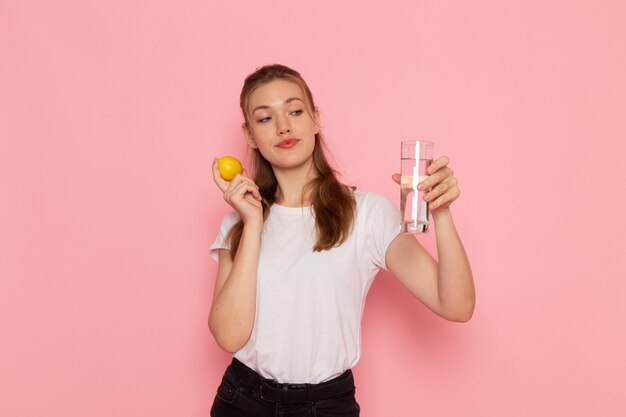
[[416, 157]]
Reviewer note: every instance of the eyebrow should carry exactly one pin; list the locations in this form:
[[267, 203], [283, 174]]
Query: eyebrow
[[289, 100]]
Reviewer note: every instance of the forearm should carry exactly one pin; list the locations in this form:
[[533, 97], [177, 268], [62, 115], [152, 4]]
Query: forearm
[[455, 283], [233, 311]]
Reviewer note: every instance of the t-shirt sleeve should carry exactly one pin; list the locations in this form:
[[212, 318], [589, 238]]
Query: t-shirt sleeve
[[220, 240], [383, 223]]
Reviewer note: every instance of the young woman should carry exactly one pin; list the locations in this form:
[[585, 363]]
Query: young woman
[[298, 254]]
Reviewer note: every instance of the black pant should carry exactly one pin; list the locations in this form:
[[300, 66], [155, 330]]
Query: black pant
[[245, 393]]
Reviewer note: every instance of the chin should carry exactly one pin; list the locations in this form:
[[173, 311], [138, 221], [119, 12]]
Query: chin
[[291, 163]]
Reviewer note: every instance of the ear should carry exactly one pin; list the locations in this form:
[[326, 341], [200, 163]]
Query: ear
[[316, 119], [246, 133]]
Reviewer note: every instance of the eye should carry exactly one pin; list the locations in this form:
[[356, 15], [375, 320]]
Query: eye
[[297, 112], [263, 120]]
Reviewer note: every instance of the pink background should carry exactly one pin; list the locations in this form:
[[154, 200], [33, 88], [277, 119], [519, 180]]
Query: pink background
[[111, 114]]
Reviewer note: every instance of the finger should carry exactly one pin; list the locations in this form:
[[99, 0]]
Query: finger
[[396, 178], [446, 199], [254, 201], [244, 188], [438, 202], [436, 178], [223, 185], [235, 188], [255, 192], [435, 192], [437, 164], [242, 178], [251, 190], [441, 188]]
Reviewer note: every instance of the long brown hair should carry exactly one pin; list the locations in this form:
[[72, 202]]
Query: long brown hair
[[332, 202]]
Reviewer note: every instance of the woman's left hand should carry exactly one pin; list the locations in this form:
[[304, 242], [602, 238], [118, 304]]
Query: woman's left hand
[[442, 183]]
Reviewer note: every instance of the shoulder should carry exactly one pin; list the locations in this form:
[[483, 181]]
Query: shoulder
[[229, 220], [373, 207], [379, 222], [221, 241], [371, 201]]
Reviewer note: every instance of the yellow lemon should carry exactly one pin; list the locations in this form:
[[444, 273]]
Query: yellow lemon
[[229, 167]]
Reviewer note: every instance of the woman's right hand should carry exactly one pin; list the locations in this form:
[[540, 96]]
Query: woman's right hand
[[242, 194]]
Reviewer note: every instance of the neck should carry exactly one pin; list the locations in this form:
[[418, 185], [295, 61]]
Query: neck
[[291, 182]]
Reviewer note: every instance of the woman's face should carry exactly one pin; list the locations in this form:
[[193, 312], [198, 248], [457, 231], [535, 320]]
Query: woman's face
[[281, 124]]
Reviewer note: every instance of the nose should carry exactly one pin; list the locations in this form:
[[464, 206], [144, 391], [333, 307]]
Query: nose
[[283, 126]]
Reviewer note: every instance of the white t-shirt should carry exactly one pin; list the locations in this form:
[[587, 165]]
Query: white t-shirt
[[309, 304]]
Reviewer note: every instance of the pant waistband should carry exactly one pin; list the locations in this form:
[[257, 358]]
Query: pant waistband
[[272, 391]]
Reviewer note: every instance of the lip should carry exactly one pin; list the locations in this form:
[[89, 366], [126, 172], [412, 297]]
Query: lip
[[288, 143]]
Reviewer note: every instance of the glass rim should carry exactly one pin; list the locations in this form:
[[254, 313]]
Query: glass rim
[[417, 141]]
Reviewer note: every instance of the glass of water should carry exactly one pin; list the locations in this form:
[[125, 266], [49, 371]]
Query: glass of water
[[417, 156]]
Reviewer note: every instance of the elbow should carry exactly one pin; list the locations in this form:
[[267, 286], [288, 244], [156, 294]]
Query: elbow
[[229, 343], [461, 318], [461, 315], [228, 340], [228, 346]]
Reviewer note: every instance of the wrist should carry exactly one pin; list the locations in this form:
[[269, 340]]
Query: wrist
[[440, 213], [253, 226]]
